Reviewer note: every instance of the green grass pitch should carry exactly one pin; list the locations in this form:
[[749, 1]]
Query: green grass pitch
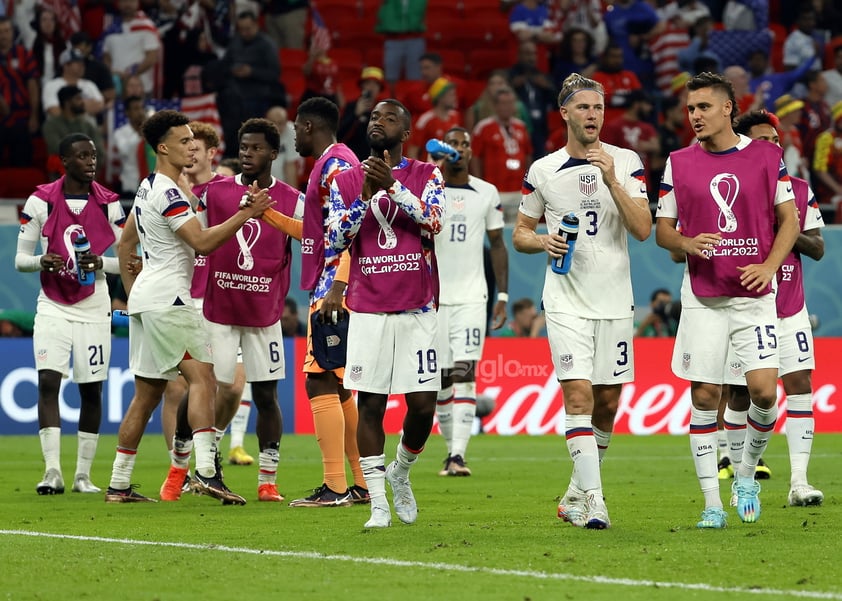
[[491, 536]]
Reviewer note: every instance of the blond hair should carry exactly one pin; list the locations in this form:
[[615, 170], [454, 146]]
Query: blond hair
[[576, 83]]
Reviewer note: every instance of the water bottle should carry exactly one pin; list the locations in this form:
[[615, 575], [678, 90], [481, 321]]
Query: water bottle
[[569, 230], [82, 246], [120, 318], [439, 150]]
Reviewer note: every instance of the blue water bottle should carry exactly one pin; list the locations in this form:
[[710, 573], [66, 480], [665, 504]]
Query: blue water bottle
[[82, 246], [569, 230], [439, 150], [120, 318]]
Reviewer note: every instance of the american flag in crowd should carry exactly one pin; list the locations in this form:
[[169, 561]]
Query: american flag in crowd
[[67, 15], [319, 33], [197, 108]]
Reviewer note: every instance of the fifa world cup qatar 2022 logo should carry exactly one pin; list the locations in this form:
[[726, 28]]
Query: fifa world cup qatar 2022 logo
[[724, 188]]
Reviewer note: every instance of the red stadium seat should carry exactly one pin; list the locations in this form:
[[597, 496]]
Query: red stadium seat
[[469, 92], [485, 60], [20, 182], [292, 58]]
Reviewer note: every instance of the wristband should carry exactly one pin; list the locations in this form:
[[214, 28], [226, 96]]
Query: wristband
[[503, 296]]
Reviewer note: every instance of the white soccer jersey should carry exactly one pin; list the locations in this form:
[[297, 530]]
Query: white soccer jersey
[[471, 211], [160, 208], [97, 306], [598, 285]]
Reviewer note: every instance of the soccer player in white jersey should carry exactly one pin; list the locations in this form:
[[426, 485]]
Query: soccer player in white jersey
[[734, 200], [589, 310], [473, 210], [71, 319], [794, 334], [166, 333]]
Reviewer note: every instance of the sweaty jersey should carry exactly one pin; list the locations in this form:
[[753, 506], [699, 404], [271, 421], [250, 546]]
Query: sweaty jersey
[[598, 285], [160, 209], [733, 193], [471, 211]]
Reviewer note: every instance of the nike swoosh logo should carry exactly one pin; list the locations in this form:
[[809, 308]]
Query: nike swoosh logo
[[621, 372], [803, 359], [274, 369], [762, 357], [788, 189], [96, 371], [703, 454], [424, 381]]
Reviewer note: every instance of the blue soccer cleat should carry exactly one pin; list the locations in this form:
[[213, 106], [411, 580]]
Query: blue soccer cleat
[[713, 517], [748, 502]]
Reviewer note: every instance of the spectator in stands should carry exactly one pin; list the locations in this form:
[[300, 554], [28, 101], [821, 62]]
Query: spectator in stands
[[833, 78], [48, 44], [188, 45], [745, 15], [230, 166], [133, 86], [683, 12], [291, 324], [132, 45], [802, 43], [673, 133], [535, 90], [353, 123], [416, 97], [672, 39], [815, 117], [699, 47], [827, 160], [16, 323], [95, 70], [575, 55], [788, 111], [658, 322], [530, 20], [322, 75], [285, 165], [502, 151], [71, 120], [72, 70], [402, 23], [526, 322], [634, 130], [585, 15], [626, 20], [778, 83], [136, 158], [285, 22], [617, 81], [484, 106], [746, 101], [248, 78], [20, 95], [435, 122]]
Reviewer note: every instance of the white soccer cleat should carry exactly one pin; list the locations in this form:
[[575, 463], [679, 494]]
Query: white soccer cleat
[[405, 505], [52, 484], [82, 483], [572, 507], [381, 517], [596, 512], [804, 495]]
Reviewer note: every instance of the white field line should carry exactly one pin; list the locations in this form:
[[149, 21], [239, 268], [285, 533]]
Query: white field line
[[378, 561]]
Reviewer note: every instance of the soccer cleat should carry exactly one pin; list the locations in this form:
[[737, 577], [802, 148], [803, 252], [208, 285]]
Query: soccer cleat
[[726, 470], [188, 480], [52, 484], [596, 513], [748, 502], [126, 495], [268, 492], [762, 471], [804, 495], [445, 471], [238, 456], [82, 483], [572, 507], [713, 517], [173, 486], [381, 517], [214, 487], [359, 495], [457, 467], [324, 497], [405, 505]]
